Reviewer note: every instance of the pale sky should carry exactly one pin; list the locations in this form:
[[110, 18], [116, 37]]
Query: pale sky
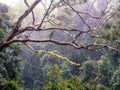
[[10, 2], [14, 2]]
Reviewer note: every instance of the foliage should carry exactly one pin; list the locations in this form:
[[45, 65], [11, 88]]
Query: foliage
[[55, 81], [10, 85], [88, 71], [116, 79], [75, 83], [2, 33], [101, 87], [54, 77], [112, 35], [111, 30]]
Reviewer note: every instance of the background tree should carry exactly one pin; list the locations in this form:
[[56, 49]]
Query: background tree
[[9, 59], [57, 82]]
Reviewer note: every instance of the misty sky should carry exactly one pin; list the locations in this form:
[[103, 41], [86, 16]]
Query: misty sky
[[10, 2], [14, 2]]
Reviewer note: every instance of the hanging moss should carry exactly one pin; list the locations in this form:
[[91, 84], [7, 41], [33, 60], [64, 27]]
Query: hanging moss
[[52, 54]]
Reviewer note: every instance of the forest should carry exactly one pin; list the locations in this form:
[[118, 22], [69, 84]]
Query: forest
[[59, 45]]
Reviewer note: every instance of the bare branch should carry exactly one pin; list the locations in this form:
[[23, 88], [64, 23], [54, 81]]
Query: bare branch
[[78, 15], [45, 14], [18, 25], [65, 26], [33, 16]]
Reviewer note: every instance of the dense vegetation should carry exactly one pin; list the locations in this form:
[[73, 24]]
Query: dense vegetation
[[9, 58], [23, 69]]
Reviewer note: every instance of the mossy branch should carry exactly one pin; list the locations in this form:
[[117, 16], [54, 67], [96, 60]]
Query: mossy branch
[[52, 54]]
